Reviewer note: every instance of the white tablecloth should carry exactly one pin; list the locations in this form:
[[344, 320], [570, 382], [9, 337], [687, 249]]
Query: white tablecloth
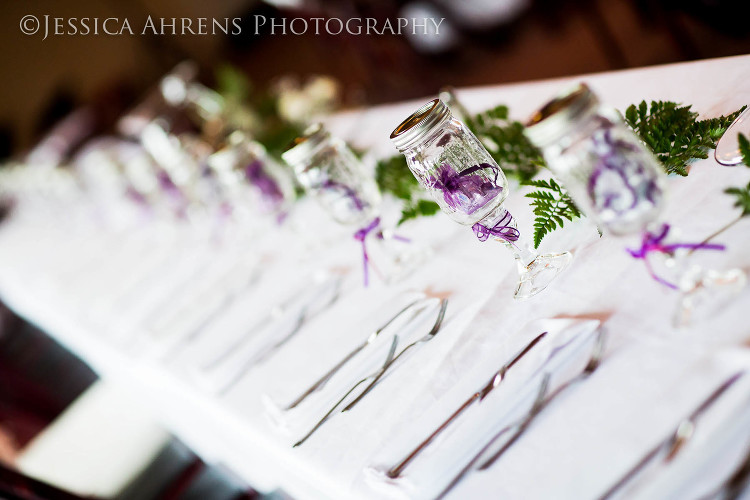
[[652, 375]]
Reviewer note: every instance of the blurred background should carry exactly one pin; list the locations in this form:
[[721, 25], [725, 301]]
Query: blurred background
[[480, 42]]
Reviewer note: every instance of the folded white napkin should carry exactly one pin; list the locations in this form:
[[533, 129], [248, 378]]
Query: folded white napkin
[[567, 342], [410, 326], [583, 443]]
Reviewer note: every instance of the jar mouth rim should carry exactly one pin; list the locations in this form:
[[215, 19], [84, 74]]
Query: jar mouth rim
[[558, 114], [415, 118], [421, 122], [306, 144], [558, 104]]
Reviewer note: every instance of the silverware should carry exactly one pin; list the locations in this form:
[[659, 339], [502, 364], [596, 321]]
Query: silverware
[[276, 312], [265, 353], [674, 443], [197, 331], [426, 338], [594, 362], [320, 422], [496, 379], [538, 403], [543, 399], [155, 279], [374, 377], [727, 150], [159, 316], [370, 339]]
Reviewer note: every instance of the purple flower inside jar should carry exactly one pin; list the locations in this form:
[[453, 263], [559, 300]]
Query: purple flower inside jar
[[466, 191], [619, 182]]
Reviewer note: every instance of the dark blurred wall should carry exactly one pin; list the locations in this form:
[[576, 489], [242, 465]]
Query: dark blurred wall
[[549, 38], [36, 72]]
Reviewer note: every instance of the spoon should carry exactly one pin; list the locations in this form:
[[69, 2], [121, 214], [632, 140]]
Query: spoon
[[727, 151]]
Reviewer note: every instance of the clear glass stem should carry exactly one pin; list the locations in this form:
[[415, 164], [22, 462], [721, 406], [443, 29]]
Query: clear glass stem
[[522, 251], [535, 271], [502, 220]]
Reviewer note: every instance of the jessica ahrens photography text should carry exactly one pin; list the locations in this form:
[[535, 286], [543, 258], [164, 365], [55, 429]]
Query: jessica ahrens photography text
[[49, 25]]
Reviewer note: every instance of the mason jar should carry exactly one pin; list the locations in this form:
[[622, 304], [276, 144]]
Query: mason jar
[[247, 173], [450, 162], [328, 170], [462, 177], [610, 174]]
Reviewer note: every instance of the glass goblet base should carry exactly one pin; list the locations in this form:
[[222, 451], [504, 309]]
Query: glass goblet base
[[705, 292], [539, 273]]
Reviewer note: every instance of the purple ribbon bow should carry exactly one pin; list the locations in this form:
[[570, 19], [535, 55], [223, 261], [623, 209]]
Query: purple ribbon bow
[[502, 230], [653, 243]]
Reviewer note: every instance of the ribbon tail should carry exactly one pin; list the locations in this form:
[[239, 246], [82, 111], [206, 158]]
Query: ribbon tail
[[365, 263], [658, 278]]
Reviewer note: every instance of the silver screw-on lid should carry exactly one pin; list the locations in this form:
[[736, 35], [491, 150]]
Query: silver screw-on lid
[[420, 124], [555, 119], [303, 147]]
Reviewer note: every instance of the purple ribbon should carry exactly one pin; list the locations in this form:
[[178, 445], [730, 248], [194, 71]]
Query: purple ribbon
[[395, 237], [361, 236], [223, 214], [137, 197], [269, 189], [348, 192], [174, 193], [502, 230], [653, 243], [145, 208], [613, 158]]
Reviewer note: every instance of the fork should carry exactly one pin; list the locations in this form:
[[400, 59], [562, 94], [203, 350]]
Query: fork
[[276, 312], [675, 441], [538, 403], [426, 338], [396, 470], [328, 414], [265, 353], [594, 362], [374, 377], [200, 329], [330, 373]]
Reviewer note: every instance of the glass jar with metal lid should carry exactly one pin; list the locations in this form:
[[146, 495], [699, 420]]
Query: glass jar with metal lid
[[610, 174], [618, 182], [326, 167], [470, 187]]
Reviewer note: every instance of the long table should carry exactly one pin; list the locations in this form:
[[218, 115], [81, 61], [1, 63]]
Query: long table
[[58, 273]]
